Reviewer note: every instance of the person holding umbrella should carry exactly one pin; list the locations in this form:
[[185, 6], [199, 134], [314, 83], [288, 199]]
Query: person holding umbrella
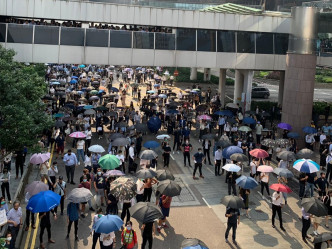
[[244, 194], [277, 204], [306, 222], [60, 189], [199, 158], [95, 235], [165, 205], [148, 231], [99, 185], [108, 240], [72, 217], [45, 222], [128, 236], [233, 215]]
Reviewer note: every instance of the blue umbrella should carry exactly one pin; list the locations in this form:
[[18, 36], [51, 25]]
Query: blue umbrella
[[71, 106], [306, 166], [138, 68], [156, 85], [150, 91], [154, 124], [55, 83], [227, 152], [114, 89], [82, 66], [248, 120], [107, 224], [309, 130], [293, 135], [79, 92], [227, 113], [43, 202], [74, 77], [151, 144], [172, 111], [246, 182], [58, 115], [73, 82], [195, 247], [87, 107], [74, 67]]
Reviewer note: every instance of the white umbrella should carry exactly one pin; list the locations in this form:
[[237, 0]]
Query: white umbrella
[[96, 148], [163, 136], [232, 167]]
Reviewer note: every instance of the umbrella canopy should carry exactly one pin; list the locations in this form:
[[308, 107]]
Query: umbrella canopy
[[169, 188], [172, 111], [227, 113], [305, 153], [163, 136], [193, 244], [44, 201], [90, 112], [96, 148], [309, 130], [36, 187], [223, 143], [154, 124], [322, 237], [148, 155], [227, 152], [59, 124], [238, 157], [87, 107], [209, 136], [114, 89], [108, 223], [146, 173], [265, 169], [109, 162], [249, 120], [246, 182], [201, 108], [151, 144], [232, 167], [281, 142], [204, 117], [145, 212], [231, 121], [58, 115], [287, 155], [306, 166], [314, 206], [39, 158], [114, 136], [79, 195], [123, 188], [245, 128], [141, 127], [163, 96], [259, 153], [163, 174], [232, 201], [120, 142], [281, 188], [293, 135], [77, 134], [113, 172], [285, 126], [268, 142], [283, 172]]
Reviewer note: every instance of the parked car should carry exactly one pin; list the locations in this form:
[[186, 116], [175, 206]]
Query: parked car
[[260, 92]]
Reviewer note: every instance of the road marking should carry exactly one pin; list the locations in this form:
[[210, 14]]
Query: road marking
[[207, 204], [34, 236], [210, 170], [172, 157]]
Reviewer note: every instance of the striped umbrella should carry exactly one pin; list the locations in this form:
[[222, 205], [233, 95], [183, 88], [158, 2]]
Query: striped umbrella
[[77, 134], [306, 166]]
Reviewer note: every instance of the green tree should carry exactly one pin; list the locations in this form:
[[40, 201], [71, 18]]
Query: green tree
[[22, 112]]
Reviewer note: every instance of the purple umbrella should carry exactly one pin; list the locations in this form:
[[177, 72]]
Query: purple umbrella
[[40, 158], [285, 126]]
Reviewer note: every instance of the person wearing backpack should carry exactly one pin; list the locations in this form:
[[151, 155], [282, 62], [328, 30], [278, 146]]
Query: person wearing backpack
[[128, 237]]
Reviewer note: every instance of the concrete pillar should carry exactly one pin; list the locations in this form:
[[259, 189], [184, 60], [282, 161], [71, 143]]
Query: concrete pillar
[[247, 87], [238, 86], [281, 88], [207, 74], [222, 86], [193, 73]]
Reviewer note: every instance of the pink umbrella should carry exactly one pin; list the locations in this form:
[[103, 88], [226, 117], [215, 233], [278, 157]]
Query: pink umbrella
[[259, 153], [281, 188], [77, 134], [39, 158], [204, 117], [265, 169], [113, 172]]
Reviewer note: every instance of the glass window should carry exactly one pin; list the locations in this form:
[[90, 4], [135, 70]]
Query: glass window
[[206, 40], [186, 39], [280, 43], [46, 35], [245, 42], [143, 40], [72, 36], [264, 43], [2, 32], [120, 39], [96, 38], [226, 41], [165, 41], [19, 33]]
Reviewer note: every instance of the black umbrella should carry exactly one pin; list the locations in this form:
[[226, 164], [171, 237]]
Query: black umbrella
[[121, 124], [69, 119], [164, 175], [101, 108], [114, 136], [145, 109], [192, 243], [148, 155], [239, 157], [314, 206], [141, 127], [233, 202], [150, 104], [322, 237], [120, 142], [287, 155], [201, 108], [111, 114], [48, 97], [231, 120], [145, 212], [59, 123], [223, 143], [93, 98], [146, 173], [209, 136], [169, 188], [305, 153]]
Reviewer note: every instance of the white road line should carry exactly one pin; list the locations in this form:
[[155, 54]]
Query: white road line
[[207, 204], [210, 170], [172, 157]]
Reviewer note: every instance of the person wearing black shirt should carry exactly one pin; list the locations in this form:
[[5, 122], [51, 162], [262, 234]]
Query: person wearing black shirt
[[187, 148], [167, 151], [45, 222], [302, 180], [322, 185], [312, 177], [19, 163], [199, 158], [231, 181], [112, 205], [139, 141], [177, 139], [206, 148], [148, 231], [233, 216]]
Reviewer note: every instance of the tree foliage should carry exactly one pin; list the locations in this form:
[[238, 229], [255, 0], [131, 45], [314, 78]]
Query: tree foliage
[[22, 113]]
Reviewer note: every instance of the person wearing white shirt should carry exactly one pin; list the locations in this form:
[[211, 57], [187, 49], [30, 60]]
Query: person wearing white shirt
[[87, 161], [131, 152], [108, 240], [121, 158], [322, 137], [139, 190], [80, 150], [277, 203], [88, 138], [265, 183], [309, 141], [217, 161]]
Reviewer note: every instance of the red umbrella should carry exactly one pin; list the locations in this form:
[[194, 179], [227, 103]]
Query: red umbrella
[[281, 188], [259, 153]]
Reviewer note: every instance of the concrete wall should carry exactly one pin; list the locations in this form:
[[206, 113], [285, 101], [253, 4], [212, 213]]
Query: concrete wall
[[125, 14]]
